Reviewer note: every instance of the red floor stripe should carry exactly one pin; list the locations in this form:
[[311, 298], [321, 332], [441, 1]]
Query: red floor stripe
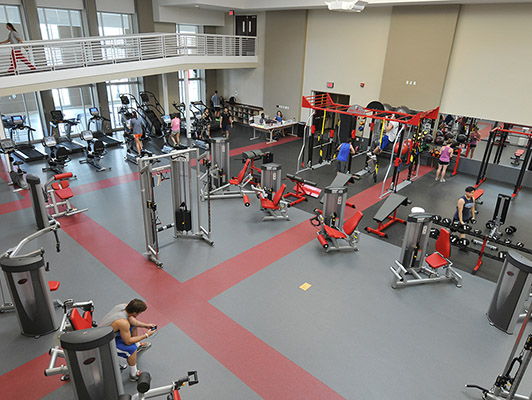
[[28, 381], [262, 368], [227, 274]]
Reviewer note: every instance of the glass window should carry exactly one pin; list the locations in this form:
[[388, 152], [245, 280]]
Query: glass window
[[60, 24], [11, 14], [26, 105], [114, 90], [195, 84], [114, 24]]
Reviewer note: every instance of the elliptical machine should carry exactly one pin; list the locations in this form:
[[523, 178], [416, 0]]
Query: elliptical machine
[[7, 146], [58, 157], [98, 132], [94, 152]]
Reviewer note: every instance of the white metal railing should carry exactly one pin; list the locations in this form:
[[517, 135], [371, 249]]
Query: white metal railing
[[53, 55]]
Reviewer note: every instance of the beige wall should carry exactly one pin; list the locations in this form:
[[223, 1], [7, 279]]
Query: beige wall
[[489, 73], [247, 83], [347, 49], [418, 50], [284, 61]]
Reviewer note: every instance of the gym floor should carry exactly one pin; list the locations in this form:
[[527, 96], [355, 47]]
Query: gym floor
[[235, 313]]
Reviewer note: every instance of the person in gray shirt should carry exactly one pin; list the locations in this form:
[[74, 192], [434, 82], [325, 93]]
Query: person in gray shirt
[[16, 54], [137, 130], [216, 104]]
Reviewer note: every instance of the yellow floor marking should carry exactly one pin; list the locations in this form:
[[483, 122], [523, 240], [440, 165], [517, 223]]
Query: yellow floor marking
[[305, 286]]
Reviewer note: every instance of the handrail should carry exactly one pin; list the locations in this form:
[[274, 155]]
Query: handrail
[[60, 54]]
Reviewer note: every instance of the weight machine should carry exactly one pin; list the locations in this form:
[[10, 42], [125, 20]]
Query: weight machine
[[413, 261], [216, 181], [323, 102], [185, 199], [506, 385]]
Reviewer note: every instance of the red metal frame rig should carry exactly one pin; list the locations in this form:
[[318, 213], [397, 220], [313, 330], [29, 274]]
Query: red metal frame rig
[[323, 102]]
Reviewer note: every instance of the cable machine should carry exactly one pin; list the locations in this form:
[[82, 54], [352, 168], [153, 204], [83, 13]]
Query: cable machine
[[186, 208]]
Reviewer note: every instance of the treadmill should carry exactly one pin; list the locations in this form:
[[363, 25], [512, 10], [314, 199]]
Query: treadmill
[[98, 132], [59, 122], [26, 151]]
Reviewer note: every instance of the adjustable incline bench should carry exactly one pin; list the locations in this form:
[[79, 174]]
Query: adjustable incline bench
[[388, 210], [302, 188]]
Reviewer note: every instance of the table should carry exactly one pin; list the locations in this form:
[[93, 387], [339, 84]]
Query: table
[[269, 128]]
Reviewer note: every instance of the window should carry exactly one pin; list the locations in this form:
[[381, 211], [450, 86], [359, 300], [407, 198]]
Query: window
[[114, 90], [26, 105], [195, 84], [59, 24], [74, 102], [113, 24], [11, 14]]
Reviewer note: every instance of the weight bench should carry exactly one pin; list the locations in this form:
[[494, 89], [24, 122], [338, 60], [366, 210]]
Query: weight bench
[[517, 156], [59, 193], [301, 189], [388, 211], [477, 194]]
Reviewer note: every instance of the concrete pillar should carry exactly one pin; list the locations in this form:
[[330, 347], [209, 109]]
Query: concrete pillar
[[187, 106]]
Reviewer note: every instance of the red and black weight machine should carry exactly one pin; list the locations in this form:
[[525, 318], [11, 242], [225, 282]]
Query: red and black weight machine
[[301, 189], [335, 234]]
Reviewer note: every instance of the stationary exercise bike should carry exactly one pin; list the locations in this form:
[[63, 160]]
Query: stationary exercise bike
[[94, 152], [58, 156], [7, 146]]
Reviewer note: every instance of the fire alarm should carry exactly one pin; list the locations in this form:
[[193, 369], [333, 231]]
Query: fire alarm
[[330, 85], [231, 12], [362, 84]]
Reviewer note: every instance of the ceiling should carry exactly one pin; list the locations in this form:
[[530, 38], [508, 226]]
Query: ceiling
[[270, 5]]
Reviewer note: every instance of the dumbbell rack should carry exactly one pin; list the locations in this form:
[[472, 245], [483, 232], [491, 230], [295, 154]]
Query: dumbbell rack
[[485, 239]]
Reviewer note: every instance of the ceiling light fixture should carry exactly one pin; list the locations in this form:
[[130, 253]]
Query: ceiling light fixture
[[349, 6]]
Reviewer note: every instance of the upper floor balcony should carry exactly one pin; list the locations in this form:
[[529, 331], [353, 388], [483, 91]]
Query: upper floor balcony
[[41, 65]]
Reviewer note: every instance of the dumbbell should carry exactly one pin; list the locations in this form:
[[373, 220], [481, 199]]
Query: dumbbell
[[478, 232], [434, 233], [463, 243], [466, 228], [455, 226], [507, 241], [520, 245], [510, 230], [454, 239], [446, 222], [436, 219], [502, 255], [490, 224]]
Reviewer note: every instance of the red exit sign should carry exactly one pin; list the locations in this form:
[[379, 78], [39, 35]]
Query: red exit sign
[[330, 85]]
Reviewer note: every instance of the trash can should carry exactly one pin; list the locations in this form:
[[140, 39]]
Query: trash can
[[92, 363], [511, 293], [30, 294], [271, 176]]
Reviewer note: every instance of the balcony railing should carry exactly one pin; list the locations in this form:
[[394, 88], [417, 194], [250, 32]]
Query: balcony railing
[[54, 55]]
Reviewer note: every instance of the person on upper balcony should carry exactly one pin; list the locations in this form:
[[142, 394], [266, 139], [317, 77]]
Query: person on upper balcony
[[16, 54]]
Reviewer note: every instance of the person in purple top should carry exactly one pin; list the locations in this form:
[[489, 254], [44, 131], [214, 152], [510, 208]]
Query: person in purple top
[[446, 152]]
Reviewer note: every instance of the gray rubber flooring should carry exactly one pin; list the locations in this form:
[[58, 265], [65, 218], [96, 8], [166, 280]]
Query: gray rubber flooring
[[350, 329]]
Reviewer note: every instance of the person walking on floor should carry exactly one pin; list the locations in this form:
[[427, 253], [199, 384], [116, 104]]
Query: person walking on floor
[[446, 152], [16, 54]]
